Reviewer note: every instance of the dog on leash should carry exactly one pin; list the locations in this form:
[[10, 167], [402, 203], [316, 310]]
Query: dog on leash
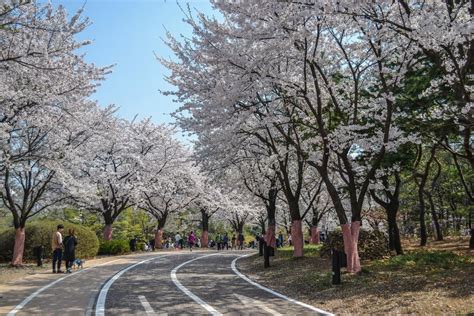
[[78, 264]]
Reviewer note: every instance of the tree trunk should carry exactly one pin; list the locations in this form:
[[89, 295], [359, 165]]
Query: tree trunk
[[108, 232], [471, 226], [204, 239], [270, 238], [158, 238], [240, 228], [350, 235], [266, 255], [434, 215], [297, 238], [205, 228], [261, 245], [315, 235], [423, 234], [397, 244], [393, 231], [391, 242], [18, 247]]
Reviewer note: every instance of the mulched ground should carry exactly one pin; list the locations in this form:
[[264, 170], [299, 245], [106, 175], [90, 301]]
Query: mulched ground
[[401, 285]]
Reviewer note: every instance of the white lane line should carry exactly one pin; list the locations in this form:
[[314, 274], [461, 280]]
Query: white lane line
[[37, 292], [148, 309], [236, 271], [100, 306], [175, 280], [252, 303]]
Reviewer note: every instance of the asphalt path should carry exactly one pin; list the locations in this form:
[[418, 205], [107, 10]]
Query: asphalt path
[[165, 283]]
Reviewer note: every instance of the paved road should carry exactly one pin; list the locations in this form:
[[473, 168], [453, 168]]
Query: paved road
[[173, 283]]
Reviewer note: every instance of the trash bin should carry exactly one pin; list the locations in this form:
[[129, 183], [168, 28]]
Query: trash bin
[[38, 252]]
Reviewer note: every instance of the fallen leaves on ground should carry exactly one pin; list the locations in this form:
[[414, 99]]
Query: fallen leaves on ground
[[412, 284]]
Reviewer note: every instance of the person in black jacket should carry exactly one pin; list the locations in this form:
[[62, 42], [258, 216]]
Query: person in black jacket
[[70, 243], [241, 239], [225, 242]]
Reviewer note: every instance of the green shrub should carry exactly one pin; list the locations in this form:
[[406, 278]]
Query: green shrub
[[141, 245], [372, 244], [39, 233], [113, 247]]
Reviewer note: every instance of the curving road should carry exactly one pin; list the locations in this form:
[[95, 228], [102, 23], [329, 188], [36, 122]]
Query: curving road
[[165, 283]]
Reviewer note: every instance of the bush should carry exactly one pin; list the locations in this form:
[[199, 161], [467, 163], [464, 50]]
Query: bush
[[39, 233], [141, 245], [114, 247], [372, 244]]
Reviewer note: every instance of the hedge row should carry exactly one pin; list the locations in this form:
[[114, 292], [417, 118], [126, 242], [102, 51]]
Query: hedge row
[[114, 247], [40, 234]]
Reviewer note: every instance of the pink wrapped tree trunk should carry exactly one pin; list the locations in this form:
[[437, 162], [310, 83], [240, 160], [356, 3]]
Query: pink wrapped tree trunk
[[315, 235], [158, 239], [350, 235], [355, 227], [270, 238], [297, 238], [108, 232], [18, 247], [347, 238], [204, 239]]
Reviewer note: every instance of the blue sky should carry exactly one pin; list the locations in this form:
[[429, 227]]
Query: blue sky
[[127, 33]]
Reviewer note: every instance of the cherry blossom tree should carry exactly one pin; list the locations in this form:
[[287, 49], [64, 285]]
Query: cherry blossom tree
[[40, 66], [316, 203], [209, 201], [109, 176], [44, 83], [318, 84], [172, 192]]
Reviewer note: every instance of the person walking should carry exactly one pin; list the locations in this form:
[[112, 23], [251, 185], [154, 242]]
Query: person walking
[[241, 241], [280, 239], [225, 242], [57, 246], [177, 239], [232, 244], [219, 242], [152, 244], [191, 240], [70, 243]]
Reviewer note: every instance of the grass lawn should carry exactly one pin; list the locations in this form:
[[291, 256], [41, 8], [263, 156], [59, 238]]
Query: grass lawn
[[431, 280]]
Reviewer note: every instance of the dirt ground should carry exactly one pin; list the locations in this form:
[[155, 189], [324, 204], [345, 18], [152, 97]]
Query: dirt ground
[[459, 245], [401, 285], [8, 274]]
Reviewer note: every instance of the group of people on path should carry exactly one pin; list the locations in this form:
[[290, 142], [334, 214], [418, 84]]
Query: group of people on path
[[63, 249], [191, 241], [222, 242]]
